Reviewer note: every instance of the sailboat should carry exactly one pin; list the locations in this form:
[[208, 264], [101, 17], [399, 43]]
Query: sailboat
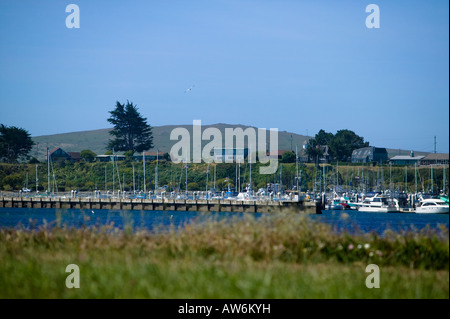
[[26, 189]]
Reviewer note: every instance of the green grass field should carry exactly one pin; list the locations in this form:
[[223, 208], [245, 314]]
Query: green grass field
[[274, 257]]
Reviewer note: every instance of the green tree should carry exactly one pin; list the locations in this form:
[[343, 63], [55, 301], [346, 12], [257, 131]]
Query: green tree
[[128, 155], [33, 160], [166, 156], [344, 142], [341, 145], [314, 149], [131, 131], [323, 138], [192, 186], [288, 157], [15, 143], [88, 155]]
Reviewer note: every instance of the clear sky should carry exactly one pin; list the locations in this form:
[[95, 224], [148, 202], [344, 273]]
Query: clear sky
[[298, 66]]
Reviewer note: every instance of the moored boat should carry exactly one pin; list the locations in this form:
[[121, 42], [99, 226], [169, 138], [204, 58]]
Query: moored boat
[[377, 204], [432, 206]]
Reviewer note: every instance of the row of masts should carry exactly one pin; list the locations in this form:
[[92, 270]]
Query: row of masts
[[363, 184], [379, 185]]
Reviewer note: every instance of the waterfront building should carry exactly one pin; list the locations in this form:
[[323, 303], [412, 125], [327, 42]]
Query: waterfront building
[[108, 158], [230, 154], [435, 158], [59, 155], [370, 154], [406, 159], [149, 156]]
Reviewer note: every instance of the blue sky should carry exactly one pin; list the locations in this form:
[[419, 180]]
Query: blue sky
[[298, 66]]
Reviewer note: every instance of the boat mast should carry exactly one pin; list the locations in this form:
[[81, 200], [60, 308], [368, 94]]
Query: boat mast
[[143, 161], [207, 179], [390, 176], [406, 179], [114, 177], [37, 179], [337, 176], [236, 173], [250, 186], [324, 180], [118, 174], [134, 182], [156, 171], [415, 176], [186, 167], [281, 176], [239, 176], [431, 178], [315, 178], [48, 172], [296, 169], [443, 182]]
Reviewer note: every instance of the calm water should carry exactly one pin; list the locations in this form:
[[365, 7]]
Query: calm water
[[341, 220]]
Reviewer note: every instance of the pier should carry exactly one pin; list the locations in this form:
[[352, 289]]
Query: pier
[[216, 205]]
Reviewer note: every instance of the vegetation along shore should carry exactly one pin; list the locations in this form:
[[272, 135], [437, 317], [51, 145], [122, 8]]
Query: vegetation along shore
[[275, 256]]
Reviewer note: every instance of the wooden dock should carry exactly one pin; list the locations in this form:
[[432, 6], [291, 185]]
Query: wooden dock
[[160, 204]]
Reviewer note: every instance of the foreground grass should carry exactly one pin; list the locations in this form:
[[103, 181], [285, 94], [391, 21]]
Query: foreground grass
[[280, 256]]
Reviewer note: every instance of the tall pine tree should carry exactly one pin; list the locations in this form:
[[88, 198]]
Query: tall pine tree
[[131, 131]]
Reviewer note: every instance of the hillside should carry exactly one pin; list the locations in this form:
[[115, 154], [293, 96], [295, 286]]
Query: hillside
[[96, 140]]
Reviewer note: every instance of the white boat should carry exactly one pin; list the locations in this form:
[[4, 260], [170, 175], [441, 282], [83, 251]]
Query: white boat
[[432, 206], [376, 204]]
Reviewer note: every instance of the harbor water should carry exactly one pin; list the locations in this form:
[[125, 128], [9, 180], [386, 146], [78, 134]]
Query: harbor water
[[341, 221]]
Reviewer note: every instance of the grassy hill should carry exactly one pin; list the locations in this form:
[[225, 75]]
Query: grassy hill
[[96, 140]]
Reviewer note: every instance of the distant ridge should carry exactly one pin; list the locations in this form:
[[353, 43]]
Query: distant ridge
[[96, 140]]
